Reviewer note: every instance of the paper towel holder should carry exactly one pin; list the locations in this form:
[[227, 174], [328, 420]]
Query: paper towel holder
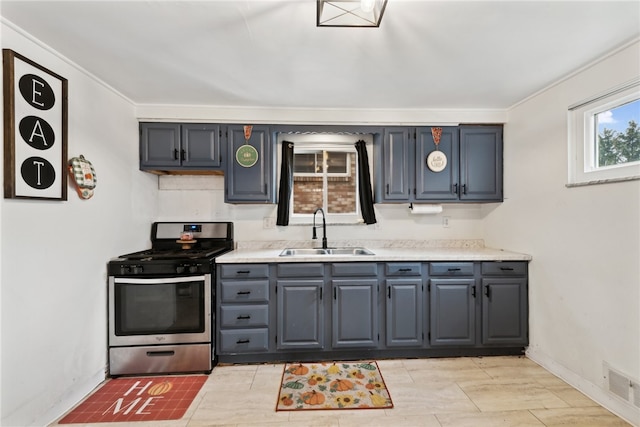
[[425, 209]]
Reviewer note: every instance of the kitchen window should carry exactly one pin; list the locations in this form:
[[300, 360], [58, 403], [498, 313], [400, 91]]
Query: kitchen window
[[322, 177], [326, 170], [604, 137]]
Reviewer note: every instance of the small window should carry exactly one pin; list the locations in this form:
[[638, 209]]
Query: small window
[[322, 177], [604, 138], [618, 135]]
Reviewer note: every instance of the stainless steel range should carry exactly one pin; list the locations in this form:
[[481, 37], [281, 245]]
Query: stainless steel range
[[161, 301]]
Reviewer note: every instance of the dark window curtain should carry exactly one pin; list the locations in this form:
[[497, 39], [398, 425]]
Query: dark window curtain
[[364, 184], [286, 183]]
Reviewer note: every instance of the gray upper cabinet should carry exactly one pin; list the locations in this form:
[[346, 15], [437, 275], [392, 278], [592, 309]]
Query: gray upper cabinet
[[480, 164], [246, 180], [473, 172], [180, 147], [440, 186], [397, 177]]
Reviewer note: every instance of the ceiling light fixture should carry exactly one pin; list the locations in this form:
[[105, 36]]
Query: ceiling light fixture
[[350, 13]]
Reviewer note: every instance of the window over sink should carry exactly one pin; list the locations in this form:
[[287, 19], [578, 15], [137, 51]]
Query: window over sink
[[325, 175]]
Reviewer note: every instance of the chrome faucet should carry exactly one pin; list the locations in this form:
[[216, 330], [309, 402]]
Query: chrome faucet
[[324, 228]]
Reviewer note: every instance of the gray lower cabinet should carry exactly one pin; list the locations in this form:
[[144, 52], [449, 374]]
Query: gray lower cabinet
[[404, 302], [452, 303], [300, 313], [355, 305], [504, 303], [243, 308], [404, 290], [478, 308], [453, 311], [354, 313], [359, 309]]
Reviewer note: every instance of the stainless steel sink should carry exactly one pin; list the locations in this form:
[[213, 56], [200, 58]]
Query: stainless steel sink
[[328, 251]]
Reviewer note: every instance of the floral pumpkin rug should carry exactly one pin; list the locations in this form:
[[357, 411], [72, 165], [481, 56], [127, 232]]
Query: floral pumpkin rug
[[333, 385]]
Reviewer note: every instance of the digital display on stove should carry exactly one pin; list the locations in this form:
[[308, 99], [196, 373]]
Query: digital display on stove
[[195, 228]]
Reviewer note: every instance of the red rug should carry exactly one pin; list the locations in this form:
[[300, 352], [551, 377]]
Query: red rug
[[138, 399]]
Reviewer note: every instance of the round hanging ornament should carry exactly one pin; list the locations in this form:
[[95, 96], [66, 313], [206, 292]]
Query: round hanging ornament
[[436, 160], [246, 154]]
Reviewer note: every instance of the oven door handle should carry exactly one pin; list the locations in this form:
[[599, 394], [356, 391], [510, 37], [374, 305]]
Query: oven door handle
[[139, 281]]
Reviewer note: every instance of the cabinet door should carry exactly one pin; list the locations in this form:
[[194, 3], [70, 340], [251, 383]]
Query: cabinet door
[[299, 314], [504, 311], [355, 313], [453, 312], [437, 186], [159, 145], [404, 313], [481, 163], [396, 149], [201, 146], [249, 183]]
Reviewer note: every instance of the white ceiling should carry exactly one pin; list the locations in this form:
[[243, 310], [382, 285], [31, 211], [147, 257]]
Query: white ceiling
[[269, 53]]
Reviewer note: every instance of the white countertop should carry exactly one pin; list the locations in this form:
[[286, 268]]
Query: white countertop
[[450, 250]]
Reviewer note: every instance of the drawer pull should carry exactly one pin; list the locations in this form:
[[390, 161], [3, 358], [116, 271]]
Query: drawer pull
[[453, 269], [245, 341], [404, 269], [506, 268], [243, 292], [245, 317], [243, 271], [160, 353]]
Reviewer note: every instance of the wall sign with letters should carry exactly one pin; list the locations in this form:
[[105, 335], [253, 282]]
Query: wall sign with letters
[[35, 130]]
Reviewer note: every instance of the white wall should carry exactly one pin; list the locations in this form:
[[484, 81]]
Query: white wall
[[585, 241], [54, 253], [202, 198]]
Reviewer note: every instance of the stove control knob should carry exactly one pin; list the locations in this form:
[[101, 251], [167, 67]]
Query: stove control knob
[[125, 269], [138, 269], [193, 269], [180, 269]]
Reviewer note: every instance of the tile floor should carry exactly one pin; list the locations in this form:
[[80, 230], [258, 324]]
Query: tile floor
[[475, 391]]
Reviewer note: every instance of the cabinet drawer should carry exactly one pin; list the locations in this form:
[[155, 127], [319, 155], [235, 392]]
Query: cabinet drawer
[[244, 316], [244, 291], [451, 269], [300, 270], [403, 269], [241, 271], [504, 268], [354, 269], [244, 340]]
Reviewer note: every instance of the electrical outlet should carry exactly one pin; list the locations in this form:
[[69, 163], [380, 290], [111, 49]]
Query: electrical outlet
[[268, 222], [445, 221]]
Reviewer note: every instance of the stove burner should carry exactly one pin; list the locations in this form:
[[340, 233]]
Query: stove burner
[[166, 255], [153, 254]]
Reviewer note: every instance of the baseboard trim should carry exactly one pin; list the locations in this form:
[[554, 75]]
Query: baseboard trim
[[624, 410]]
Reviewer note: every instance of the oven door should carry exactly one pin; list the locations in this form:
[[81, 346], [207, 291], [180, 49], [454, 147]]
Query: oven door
[[166, 310]]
